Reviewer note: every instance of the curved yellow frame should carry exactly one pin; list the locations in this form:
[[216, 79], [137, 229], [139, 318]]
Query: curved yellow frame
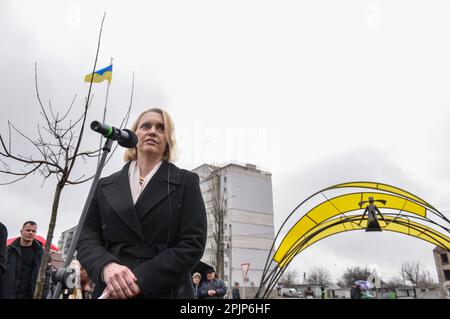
[[330, 217], [340, 224], [340, 205], [383, 187]]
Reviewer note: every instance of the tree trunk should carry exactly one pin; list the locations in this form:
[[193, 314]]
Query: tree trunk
[[220, 247], [51, 227], [218, 215]]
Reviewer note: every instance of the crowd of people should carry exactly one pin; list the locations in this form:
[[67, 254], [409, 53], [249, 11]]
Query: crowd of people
[[212, 287], [20, 262], [209, 288]]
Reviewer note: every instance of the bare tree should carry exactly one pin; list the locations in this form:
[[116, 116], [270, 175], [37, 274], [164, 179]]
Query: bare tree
[[217, 215], [318, 275], [289, 278], [410, 271], [57, 147], [353, 274], [413, 272]]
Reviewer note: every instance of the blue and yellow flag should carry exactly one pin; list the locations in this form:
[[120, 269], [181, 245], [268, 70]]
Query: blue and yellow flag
[[100, 75]]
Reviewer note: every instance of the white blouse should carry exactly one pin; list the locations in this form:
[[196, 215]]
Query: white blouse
[[137, 184]]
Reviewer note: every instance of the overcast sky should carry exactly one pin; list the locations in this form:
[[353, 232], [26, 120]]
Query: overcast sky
[[316, 92]]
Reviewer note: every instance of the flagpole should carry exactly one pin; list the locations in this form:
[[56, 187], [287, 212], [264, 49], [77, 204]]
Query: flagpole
[[104, 111]]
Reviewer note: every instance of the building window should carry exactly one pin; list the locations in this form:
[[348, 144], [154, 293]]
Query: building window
[[447, 274], [224, 189], [444, 258], [224, 179]]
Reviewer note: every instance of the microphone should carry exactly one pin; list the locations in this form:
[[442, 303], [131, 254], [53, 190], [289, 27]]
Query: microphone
[[124, 137]]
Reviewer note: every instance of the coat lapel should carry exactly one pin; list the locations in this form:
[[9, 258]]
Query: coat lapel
[[118, 194], [165, 181]]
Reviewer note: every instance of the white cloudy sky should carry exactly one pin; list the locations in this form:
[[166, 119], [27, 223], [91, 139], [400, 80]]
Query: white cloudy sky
[[317, 92]]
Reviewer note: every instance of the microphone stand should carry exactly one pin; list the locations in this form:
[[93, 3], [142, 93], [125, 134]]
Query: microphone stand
[[106, 149]]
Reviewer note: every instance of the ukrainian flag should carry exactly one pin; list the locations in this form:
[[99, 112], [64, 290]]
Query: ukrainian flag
[[100, 75]]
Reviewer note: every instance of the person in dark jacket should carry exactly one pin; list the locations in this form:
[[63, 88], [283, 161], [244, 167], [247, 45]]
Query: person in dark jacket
[[235, 291], [3, 239], [196, 284], [212, 287], [23, 260], [355, 292], [145, 229], [308, 293]]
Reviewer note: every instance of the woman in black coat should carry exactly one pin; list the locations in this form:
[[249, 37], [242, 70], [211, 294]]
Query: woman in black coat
[[146, 227]]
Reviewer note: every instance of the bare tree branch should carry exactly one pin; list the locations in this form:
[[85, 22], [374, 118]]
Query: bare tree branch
[[289, 278], [78, 181], [70, 107], [21, 158], [22, 173], [72, 163], [88, 154], [413, 272], [14, 181], [352, 274], [26, 137], [124, 120], [127, 116], [318, 275], [71, 126], [44, 114], [31, 160], [217, 212], [9, 137], [55, 119]]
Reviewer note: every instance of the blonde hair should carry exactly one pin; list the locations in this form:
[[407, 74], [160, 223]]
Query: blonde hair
[[169, 131]]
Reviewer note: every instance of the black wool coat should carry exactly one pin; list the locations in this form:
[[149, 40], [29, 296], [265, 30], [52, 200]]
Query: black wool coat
[[160, 238]]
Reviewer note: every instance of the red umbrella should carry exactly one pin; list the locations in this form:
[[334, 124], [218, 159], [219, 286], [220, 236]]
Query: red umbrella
[[38, 238]]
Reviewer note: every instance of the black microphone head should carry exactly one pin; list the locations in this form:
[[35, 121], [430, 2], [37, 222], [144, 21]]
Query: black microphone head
[[102, 128], [95, 125], [130, 142]]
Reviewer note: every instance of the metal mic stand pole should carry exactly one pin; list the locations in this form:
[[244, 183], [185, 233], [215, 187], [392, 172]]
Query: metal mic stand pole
[[106, 149]]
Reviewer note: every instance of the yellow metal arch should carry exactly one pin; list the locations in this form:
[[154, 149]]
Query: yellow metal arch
[[340, 224], [408, 215], [340, 205], [383, 187]]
